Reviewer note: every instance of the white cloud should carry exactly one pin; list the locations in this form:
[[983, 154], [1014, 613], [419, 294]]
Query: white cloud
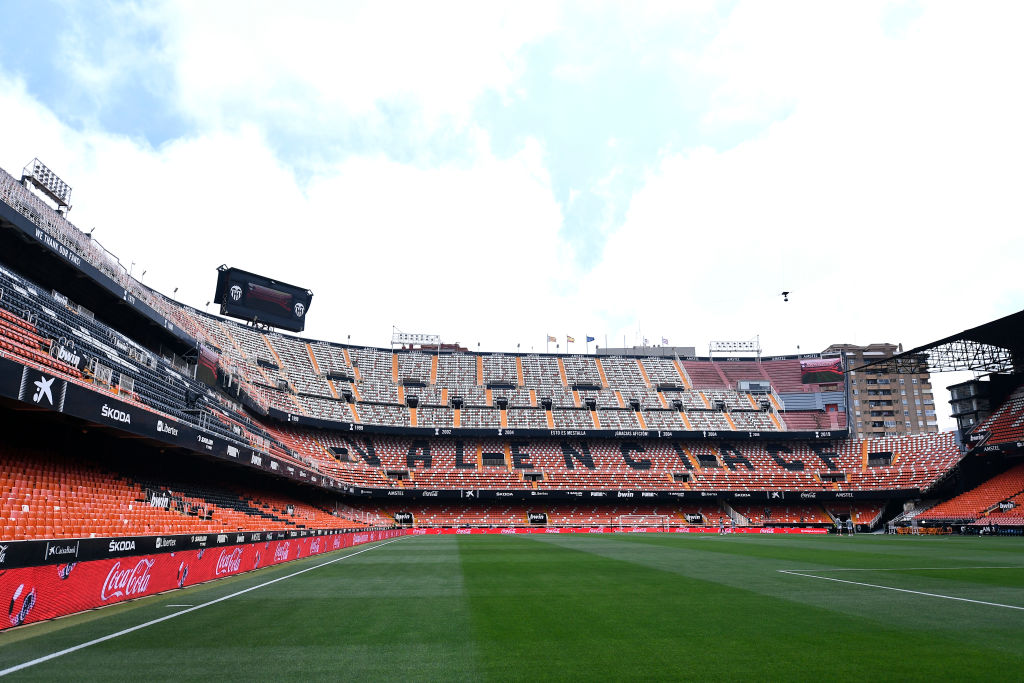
[[345, 58]]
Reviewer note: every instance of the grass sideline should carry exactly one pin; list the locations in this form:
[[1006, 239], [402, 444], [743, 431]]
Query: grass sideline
[[574, 607]]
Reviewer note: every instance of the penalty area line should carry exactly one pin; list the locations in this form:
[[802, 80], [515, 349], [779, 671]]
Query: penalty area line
[[899, 590], [96, 641]]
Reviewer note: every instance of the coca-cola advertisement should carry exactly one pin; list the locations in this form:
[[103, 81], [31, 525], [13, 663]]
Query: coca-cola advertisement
[[45, 592]]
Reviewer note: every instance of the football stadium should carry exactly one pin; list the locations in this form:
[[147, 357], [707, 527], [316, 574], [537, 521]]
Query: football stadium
[[496, 341], [184, 489]]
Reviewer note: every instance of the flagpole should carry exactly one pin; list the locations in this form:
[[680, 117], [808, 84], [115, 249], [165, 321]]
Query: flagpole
[[547, 342]]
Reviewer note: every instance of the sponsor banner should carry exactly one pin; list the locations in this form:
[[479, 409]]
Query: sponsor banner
[[49, 591], [16, 554], [978, 438], [320, 423], [69, 356], [597, 496], [43, 389], [983, 447]]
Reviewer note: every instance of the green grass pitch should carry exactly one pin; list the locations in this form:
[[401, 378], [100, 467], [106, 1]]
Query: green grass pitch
[[575, 607]]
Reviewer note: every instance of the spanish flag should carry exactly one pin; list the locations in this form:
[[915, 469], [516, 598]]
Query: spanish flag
[[569, 339]]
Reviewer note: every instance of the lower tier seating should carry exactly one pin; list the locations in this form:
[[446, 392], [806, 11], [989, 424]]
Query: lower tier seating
[[46, 494], [974, 503]]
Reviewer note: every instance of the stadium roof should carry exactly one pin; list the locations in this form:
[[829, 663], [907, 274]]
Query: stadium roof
[[991, 347]]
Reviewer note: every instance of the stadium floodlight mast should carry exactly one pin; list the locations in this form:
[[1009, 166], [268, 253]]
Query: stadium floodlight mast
[[48, 183], [732, 347]]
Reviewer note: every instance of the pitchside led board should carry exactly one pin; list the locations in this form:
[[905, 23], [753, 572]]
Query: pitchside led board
[[256, 298], [821, 371]]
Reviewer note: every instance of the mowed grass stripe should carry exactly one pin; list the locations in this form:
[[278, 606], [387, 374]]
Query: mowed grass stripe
[[366, 618], [897, 555], [995, 632], [566, 613]]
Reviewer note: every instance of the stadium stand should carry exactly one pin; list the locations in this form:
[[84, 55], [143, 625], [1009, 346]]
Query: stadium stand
[[762, 515], [1006, 424], [980, 500], [380, 377], [469, 514], [51, 494], [1011, 516]]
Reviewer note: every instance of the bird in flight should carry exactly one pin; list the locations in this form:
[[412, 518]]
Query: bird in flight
[[785, 296]]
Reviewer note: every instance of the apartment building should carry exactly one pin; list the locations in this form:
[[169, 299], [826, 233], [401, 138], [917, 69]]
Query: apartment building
[[884, 403]]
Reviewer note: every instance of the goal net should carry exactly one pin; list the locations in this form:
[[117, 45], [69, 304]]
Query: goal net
[[660, 522]]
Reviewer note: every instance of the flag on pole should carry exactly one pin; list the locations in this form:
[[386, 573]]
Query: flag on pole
[[570, 340], [551, 339], [589, 339], [664, 341]]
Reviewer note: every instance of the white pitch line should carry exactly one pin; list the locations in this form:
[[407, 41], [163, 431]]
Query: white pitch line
[[904, 569], [900, 590], [54, 655]]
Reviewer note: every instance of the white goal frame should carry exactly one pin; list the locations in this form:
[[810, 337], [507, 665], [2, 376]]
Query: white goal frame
[[661, 522]]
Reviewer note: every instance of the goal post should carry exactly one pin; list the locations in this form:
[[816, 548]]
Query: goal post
[[626, 522]]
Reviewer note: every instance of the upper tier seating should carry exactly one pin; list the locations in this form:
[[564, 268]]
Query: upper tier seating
[[500, 369], [436, 379], [785, 376], [662, 371], [1006, 424], [705, 375], [581, 370], [541, 371]]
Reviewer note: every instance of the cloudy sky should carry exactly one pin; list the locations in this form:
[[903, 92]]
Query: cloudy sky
[[495, 173]]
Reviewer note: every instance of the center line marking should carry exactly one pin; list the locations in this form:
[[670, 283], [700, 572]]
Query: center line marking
[[900, 590], [54, 655]]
